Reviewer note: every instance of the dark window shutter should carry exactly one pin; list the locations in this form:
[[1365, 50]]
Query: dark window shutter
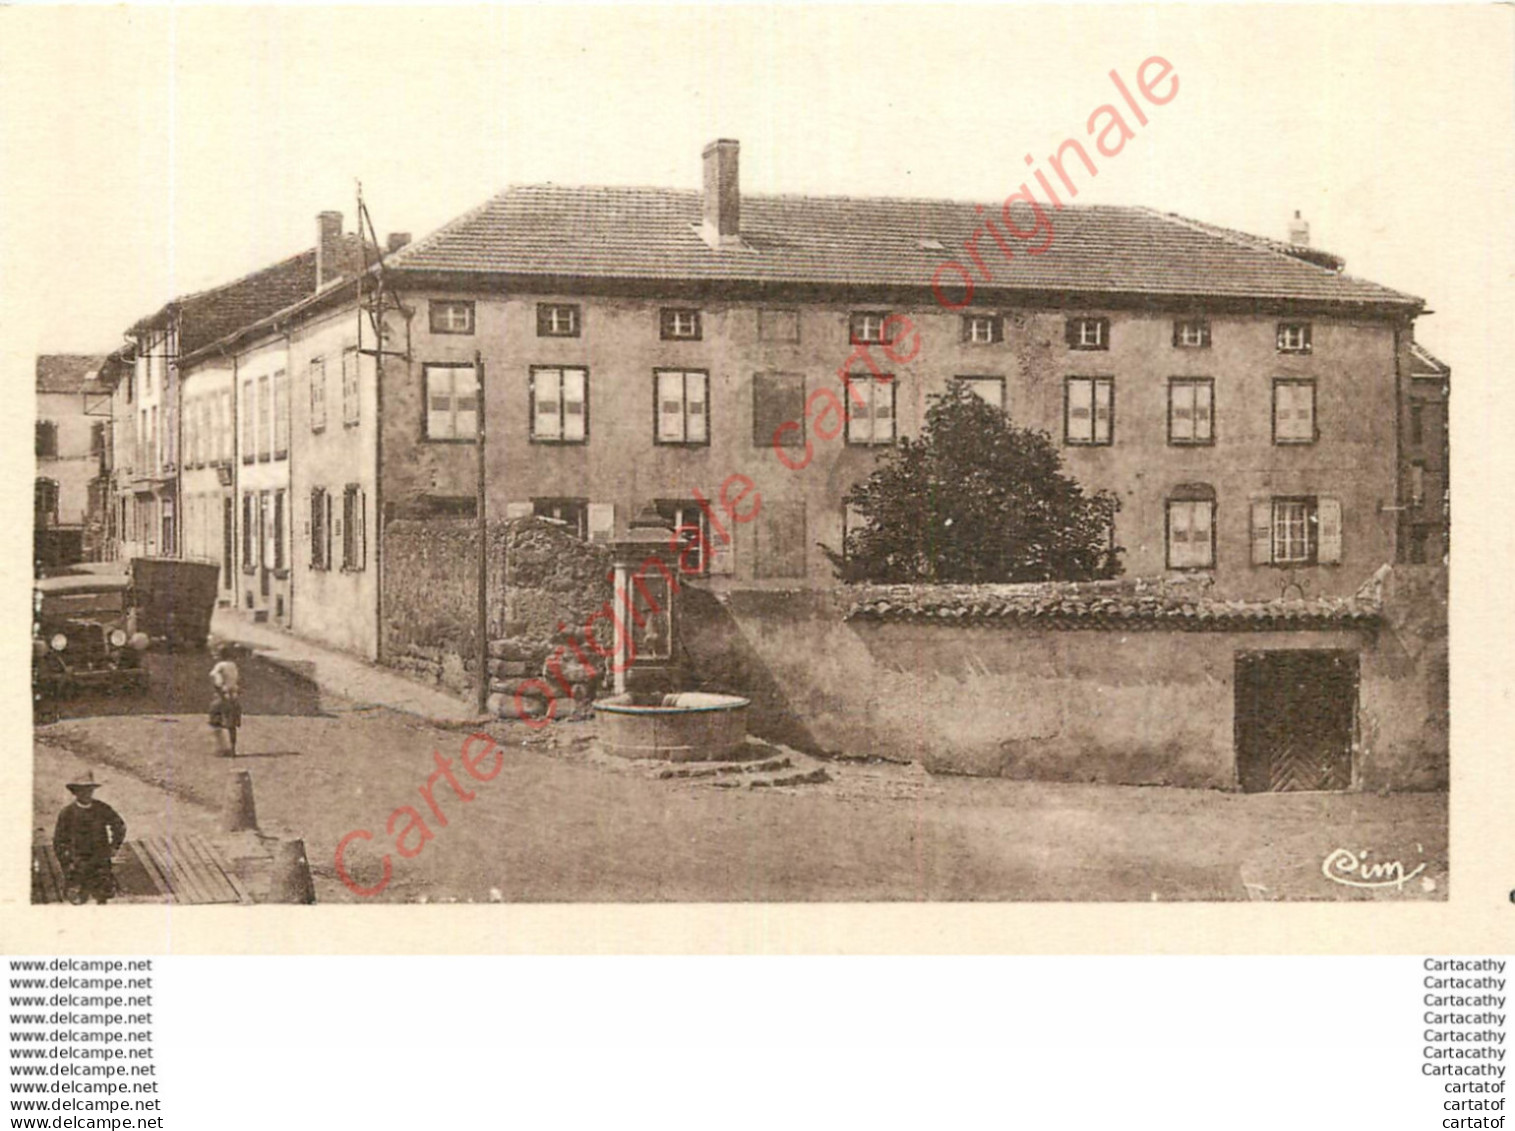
[[1070, 331], [781, 541], [778, 399]]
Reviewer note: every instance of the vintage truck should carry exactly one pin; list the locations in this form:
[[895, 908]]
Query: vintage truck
[[85, 635]]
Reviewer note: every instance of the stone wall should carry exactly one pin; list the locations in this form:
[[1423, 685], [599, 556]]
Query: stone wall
[[1154, 706], [541, 577]]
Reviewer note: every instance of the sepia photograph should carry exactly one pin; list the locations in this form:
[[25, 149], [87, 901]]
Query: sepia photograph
[[742, 455]]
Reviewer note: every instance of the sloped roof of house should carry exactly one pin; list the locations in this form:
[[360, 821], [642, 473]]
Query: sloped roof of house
[[1126, 604], [209, 315], [653, 233], [69, 372], [1423, 363]]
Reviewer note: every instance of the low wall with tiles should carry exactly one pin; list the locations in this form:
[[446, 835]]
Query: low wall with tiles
[[1148, 704]]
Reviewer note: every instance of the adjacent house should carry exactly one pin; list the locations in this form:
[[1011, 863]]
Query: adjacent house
[[1425, 458], [204, 467], [70, 508]]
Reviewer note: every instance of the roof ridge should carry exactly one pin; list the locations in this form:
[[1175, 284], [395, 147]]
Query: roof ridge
[[416, 246], [1266, 243], [851, 198]]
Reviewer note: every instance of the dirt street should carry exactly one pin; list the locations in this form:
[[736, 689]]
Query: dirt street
[[560, 823]]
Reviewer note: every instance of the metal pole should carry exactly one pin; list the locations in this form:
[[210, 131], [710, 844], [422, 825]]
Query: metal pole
[[479, 505]]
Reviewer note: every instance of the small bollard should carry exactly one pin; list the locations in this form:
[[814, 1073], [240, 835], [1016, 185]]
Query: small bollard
[[237, 811], [291, 881]]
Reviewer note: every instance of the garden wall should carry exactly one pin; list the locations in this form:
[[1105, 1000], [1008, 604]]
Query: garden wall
[[1148, 706], [540, 576]]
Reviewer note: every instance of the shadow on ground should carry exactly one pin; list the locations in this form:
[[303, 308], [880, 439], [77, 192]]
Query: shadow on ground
[[179, 684]]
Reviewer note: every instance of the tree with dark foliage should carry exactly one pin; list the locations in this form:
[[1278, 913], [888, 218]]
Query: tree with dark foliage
[[976, 499]]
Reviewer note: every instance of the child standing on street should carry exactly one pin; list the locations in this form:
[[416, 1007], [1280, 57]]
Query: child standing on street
[[226, 707]]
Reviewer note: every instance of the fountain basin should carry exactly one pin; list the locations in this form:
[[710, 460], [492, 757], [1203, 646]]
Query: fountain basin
[[688, 726]]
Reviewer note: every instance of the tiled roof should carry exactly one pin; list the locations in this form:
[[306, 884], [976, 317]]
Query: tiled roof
[[652, 233], [1126, 604], [68, 372], [1426, 364], [208, 315]]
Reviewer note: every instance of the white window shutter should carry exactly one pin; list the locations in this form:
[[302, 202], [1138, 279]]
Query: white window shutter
[[1262, 533], [1328, 512], [517, 510], [601, 522]]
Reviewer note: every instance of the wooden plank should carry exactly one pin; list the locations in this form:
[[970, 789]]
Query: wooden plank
[[186, 883], [162, 876], [212, 879], [192, 877], [150, 867], [216, 867], [158, 847]]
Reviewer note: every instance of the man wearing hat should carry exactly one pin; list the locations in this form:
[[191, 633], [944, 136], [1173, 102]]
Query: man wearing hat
[[87, 835]]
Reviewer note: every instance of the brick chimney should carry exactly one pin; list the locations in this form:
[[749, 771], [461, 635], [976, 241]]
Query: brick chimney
[[328, 247], [396, 241], [1299, 231], [723, 199]]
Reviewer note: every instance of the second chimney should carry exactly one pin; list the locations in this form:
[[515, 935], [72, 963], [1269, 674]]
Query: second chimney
[[723, 199], [397, 240], [1299, 231], [328, 247]]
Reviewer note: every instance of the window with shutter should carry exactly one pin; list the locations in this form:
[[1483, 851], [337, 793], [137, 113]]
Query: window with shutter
[[681, 406], [1191, 333], [679, 324], [249, 534], [452, 402], [1262, 532], [249, 423], [780, 539], [350, 391], [1294, 337], [1328, 512], [559, 405], [264, 421], [1191, 534], [778, 399], [317, 394], [601, 522], [1087, 333], [778, 325], [557, 320], [991, 390], [1294, 411], [867, 328], [982, 329], [281, 415], [687, 519], [1089, 410], [1190, 410], [870, 409]]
